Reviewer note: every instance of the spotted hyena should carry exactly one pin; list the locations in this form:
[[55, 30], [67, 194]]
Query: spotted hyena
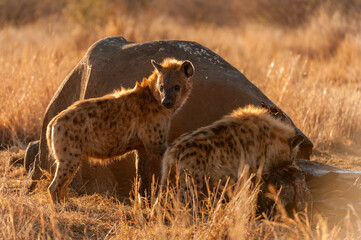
[[103, 128], [249, 136]]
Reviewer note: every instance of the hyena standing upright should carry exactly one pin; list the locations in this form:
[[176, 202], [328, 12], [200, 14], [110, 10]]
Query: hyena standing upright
[[103, 128], [249, 136]]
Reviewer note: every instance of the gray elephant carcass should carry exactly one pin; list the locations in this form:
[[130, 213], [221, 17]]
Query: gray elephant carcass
[[113, 62]]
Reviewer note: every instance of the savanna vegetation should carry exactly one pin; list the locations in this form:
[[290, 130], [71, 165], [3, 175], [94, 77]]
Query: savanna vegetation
[[305, 55]]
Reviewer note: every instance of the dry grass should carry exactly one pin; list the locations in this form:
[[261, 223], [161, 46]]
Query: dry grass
[[32, 216], [25, 216], [308, 64]]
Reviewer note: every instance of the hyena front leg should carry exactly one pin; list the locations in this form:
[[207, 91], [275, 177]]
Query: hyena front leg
[[155, 162], [66, 169], [142, 169], [148, 163]]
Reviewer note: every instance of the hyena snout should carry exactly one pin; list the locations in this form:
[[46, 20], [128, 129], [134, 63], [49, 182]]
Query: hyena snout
[[168, 102]]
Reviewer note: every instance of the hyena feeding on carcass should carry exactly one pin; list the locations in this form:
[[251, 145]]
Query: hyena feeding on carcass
[[248, 136], [104, 128]]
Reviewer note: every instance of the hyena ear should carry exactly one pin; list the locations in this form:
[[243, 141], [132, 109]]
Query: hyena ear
[[188, 68], [156, 65], [296, 140]]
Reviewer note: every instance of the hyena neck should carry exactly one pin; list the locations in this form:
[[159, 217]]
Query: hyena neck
[[150, 103], [151, 84]]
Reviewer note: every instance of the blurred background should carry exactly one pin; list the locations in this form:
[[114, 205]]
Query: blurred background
[[91, 13], [305, 55]]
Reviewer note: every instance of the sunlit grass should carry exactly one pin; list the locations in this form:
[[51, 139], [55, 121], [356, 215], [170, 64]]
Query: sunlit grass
[[312, 71]]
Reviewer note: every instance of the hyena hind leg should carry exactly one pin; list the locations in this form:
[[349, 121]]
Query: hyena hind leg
[[64, 175]]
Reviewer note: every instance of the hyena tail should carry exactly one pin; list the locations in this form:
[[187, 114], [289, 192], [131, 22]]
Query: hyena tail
[[169, 170], [163, 180]]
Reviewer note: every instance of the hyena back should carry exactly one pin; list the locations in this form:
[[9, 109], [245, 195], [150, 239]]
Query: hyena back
[[249, 136], [104, 128]]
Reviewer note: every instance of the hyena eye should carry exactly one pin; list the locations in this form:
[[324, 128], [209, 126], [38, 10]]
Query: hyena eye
[[176, 87], [161, 88]]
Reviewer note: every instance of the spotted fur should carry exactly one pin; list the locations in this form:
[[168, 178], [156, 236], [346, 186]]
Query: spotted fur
[[101, 129], [249, 136]]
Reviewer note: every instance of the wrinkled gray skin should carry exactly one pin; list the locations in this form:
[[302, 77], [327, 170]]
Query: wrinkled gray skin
[[110, 63]]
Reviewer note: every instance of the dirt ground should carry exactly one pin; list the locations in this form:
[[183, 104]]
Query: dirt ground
[[348, 158]]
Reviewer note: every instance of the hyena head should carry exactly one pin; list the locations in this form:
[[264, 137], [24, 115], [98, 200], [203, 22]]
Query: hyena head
[[288, 152], [294, 144], [173, 82]]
